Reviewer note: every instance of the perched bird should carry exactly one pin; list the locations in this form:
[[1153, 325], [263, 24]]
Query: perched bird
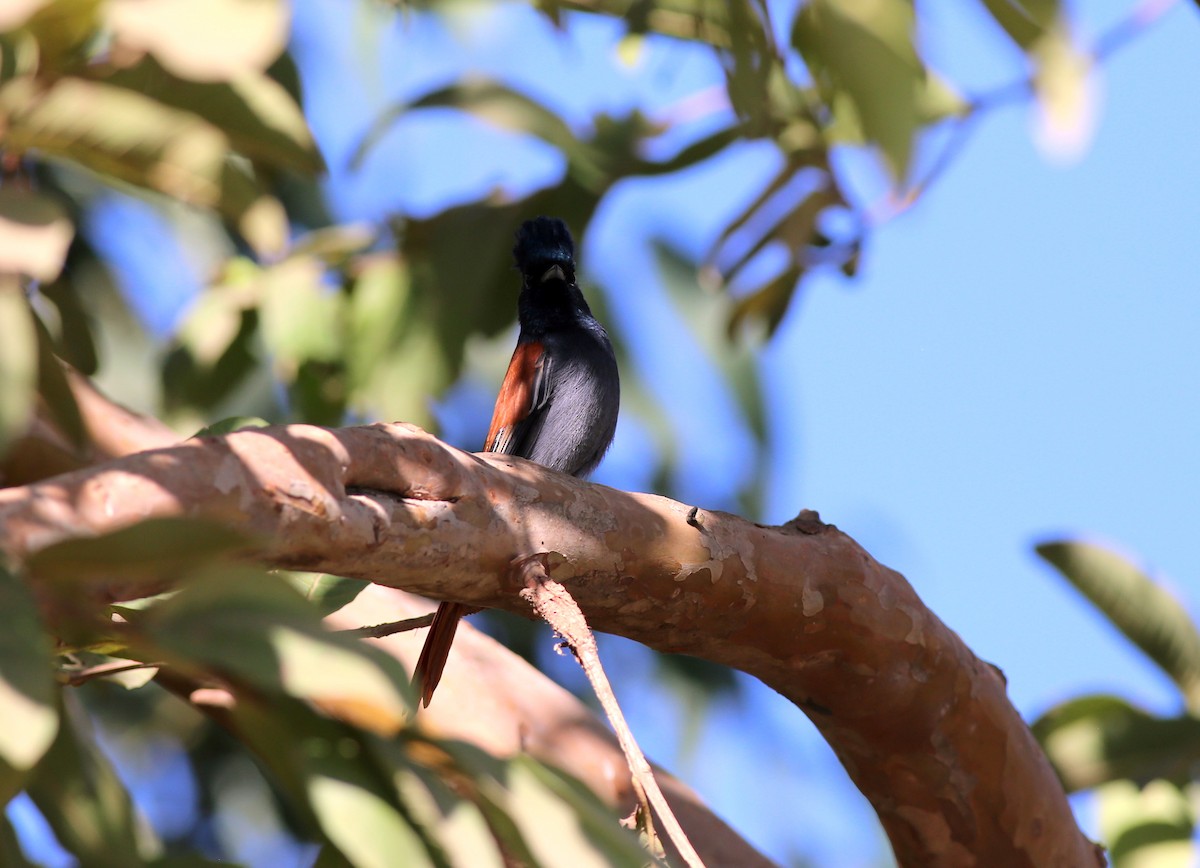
[[559, 400]]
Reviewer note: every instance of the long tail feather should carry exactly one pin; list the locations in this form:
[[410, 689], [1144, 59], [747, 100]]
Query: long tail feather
[[437, 649]]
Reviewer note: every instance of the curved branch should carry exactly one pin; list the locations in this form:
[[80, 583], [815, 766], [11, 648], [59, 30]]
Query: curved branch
[[923, 727]]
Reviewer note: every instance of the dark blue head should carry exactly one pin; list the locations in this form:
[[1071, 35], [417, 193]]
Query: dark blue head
[[542, 243]]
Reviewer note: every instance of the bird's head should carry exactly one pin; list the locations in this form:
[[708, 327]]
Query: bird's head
[[545, 251]]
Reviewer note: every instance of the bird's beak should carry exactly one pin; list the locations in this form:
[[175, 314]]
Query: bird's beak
[[554, 271]]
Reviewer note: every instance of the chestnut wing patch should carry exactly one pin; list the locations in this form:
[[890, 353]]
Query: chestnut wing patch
[[524, 392]]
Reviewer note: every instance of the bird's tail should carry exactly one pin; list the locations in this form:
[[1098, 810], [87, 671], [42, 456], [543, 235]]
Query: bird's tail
[[437, 649]]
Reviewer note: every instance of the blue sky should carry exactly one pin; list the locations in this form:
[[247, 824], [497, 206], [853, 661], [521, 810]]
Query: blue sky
[[1016, 361]]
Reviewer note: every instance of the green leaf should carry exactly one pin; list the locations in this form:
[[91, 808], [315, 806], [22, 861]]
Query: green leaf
[[83, 800], [1095, 739], [363, 826], [865, 51], [487, 100], [18, 361], [233, 423], [11, 853], [35, 233], [131, 137], [1025, 21], [1144, 611], [560, 816], [256, 629], [56, 392], [301, 318], [1150, 827], [28, 693], [332, 777], [328, 593], [148, 550], [256, 112]]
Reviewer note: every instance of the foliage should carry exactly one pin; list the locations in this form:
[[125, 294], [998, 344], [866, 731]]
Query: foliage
[[196, 110], [1142, 765]]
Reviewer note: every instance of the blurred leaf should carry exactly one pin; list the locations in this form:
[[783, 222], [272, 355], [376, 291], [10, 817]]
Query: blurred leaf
[[11, 853], [148, 549], [255, 628], [489, 101], [75, 343], [301, 318], [865, 51], [261, 119], [218, 40], [35, 233], [131, 137], [330, 774], [18, 361], [1065, 99], [1147, 828], [216, 350], [444, 816], [705, 313], [28, 693], [83, 800], [1145, 612], [1095, 739], [62, 29], [694, 20], [15, 12], [559, 814], [334, 245], [56, 392], [1025, 21], [233, 423], [328, 593], [367, 830]]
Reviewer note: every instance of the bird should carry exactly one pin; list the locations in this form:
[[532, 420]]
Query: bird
[[559, 400]]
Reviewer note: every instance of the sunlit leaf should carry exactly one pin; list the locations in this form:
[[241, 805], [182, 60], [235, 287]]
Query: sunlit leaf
[[218, 40], [865, 50], [368, 831], [1095, 739], [131, 137], [35, 233], [255, 628], [257, 113], [18, 360], [15, 12], [1143, 610], [559, 815], [328, 593], [28, 694], [1150, 827], [331, 776]]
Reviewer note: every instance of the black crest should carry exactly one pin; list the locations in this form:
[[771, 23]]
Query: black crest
[[543, 240]]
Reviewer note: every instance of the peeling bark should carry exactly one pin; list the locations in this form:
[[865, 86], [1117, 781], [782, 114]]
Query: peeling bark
[[923, 727]]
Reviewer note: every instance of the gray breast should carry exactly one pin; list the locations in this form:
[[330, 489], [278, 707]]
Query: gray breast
[[580, 418]]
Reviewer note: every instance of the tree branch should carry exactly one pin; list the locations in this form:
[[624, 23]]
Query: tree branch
[[922, 726]]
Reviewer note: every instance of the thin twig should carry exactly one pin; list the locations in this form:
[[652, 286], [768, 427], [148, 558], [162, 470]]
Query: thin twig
[[378, 631], [82, 676], [554, 604], [1133, 24]]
